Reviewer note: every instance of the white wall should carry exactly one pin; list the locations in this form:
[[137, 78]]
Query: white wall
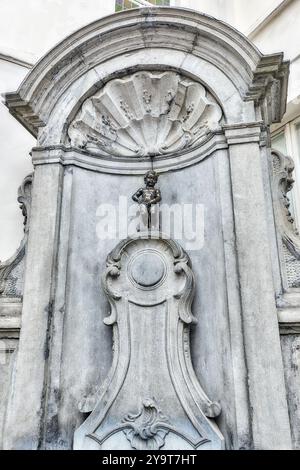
[[242, 14], [15, 164], [29, 28], [215, 8]]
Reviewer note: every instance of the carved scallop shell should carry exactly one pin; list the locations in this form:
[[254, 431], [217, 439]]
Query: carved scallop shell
[[145, 114]]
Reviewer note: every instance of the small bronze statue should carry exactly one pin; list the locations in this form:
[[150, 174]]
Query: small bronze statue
[[147, 198]]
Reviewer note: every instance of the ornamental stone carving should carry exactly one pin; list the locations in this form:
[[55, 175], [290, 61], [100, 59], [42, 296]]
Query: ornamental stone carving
[[147, 428], [150, 287], [283, 181], [283, 167], [145, 114], [12, 270]]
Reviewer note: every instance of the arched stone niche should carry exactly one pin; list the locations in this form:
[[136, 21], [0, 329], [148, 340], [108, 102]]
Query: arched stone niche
[[87, 102]]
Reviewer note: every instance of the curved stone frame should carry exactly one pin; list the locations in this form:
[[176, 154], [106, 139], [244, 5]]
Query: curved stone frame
[[122, 166], [86, 59], [251, 89]]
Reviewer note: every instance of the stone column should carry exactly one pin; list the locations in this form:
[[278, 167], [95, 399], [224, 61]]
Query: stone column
[[25, 415], [269, 422]]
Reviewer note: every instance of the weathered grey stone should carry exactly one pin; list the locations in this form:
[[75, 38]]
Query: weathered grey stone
[[151, 394], [240, 292], [12, 271], [147, 113]]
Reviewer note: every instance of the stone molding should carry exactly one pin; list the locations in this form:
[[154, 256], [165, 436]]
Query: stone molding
[[120, 165], [10, 317], [242, 133], [288, 312], [289, 321]]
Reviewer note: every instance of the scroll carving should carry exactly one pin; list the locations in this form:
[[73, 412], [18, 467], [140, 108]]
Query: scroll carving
[[283, 167], [145, 114], [150, 286], [147, 428], [11, 271]]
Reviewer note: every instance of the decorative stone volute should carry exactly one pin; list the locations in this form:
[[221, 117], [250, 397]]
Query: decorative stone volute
[[283, 181], [145, 114]]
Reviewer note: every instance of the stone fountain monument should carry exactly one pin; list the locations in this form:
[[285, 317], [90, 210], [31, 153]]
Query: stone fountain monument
[[141, 340]]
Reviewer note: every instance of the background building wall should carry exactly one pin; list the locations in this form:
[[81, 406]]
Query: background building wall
[[29, 29], [15, 164]]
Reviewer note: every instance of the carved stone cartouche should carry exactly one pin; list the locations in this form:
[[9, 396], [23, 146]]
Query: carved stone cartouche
[[151, 398]]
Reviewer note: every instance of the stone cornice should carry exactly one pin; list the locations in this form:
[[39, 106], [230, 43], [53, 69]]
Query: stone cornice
[[288, 312], [253, 74], [289, 321], [243, 133], [15, 60], [10, 318], [118, 165], [270, 76]]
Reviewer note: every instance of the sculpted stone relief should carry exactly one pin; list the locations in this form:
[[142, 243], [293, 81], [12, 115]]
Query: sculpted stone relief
[[12, 271], [151, 396], [145, 114], [147, 428], [283, 167]]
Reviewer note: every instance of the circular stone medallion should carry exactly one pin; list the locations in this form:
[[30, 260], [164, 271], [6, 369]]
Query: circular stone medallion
[[147, 269]]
